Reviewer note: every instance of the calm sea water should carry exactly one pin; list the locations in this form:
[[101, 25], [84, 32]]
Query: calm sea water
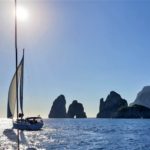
[[81, 134]]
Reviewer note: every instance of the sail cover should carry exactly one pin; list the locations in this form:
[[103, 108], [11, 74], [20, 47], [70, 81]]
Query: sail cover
[[12, 97]]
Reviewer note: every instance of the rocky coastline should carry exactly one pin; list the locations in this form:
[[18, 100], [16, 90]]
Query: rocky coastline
[[113, 107]]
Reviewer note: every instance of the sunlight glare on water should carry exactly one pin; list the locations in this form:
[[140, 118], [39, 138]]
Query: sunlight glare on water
[[88, 134]]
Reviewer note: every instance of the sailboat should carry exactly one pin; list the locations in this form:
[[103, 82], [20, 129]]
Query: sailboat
[[30, 123]]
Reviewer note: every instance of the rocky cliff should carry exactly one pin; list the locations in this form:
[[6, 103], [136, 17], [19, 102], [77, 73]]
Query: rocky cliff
[[76, 110], [58, 109], [110, 107], [143, 97], [140, 108]]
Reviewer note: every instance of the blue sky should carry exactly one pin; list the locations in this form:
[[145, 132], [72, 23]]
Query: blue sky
[[82, 49]]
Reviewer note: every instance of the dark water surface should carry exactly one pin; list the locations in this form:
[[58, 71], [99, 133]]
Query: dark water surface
[[82, 134]]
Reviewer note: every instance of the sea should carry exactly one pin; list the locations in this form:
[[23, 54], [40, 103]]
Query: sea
[[79, 134]]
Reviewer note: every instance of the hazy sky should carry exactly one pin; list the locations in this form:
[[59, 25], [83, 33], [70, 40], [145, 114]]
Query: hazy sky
[[80, 48]]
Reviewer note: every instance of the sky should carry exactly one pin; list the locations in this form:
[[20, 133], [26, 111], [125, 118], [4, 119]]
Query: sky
[[80, 48]]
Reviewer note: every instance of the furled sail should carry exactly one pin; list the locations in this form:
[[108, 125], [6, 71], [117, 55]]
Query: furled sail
[[21, 84], [12, 97]]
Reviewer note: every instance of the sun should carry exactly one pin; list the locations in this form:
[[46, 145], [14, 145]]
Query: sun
[[22, 13]]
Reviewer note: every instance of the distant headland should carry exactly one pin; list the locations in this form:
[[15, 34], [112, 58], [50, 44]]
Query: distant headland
[[113, 107]]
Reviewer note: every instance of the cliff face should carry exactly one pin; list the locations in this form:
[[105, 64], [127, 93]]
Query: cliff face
[[58, 109], [143, 97], [110, 107], [113, 107], [140, 107], [76, 110]]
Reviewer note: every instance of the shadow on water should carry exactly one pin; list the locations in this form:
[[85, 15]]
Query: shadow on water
[[12, 136]]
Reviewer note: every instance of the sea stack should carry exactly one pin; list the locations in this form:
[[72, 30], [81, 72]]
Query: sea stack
[[58, 109], [110, 107], [76, 110]]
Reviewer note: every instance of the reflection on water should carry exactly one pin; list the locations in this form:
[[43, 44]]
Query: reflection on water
[[22, 138], [11, 135], [8, 137], [80, 134]]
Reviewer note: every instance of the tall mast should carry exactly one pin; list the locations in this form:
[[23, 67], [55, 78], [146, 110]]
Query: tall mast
[[16, 53]]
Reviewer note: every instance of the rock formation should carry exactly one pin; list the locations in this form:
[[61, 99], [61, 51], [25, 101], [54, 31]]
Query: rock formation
[[143, 97], [110, 107], [140, 108], [76, 110], [135, 111], [58, 109]]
